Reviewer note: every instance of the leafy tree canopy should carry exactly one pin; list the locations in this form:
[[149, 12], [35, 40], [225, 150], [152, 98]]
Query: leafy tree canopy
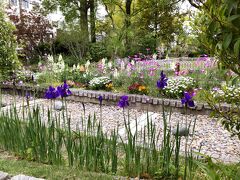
[[8, 55]]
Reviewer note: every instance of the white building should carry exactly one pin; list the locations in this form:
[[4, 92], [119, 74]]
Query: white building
[[26, 5]]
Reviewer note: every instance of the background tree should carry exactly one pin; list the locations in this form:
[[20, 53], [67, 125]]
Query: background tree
[[220, 35], [130, 26], [74, 11], [222, 32], [139, 28], [32, 30], [160, 18], [8, 55]]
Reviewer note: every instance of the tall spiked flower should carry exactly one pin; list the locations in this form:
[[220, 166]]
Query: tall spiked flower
[[187, 99], [100, 98], [51, 93], [64, 90], [162, 82], [123, 102]]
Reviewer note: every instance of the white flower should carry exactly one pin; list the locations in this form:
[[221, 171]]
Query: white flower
[[99, 81], [103, 61], [87, 64], [122, 65], [74, 67], [115, 73], [133, 62], [154, 56], [110, 64]]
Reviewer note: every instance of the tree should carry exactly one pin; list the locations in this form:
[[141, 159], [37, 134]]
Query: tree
[[159, 17], [222, 32], [92, 5], [8, 55], [32, 29], [75, 11]]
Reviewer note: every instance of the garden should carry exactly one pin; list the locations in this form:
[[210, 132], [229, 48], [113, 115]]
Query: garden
[[119, 97]]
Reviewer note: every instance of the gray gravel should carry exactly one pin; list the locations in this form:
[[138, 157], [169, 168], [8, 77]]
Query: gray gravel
[[213, 139]]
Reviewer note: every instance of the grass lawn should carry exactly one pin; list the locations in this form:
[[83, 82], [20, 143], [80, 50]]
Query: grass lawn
[[14, 166]]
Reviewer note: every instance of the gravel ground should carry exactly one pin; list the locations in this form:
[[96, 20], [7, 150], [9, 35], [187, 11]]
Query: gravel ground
[[209, 134]]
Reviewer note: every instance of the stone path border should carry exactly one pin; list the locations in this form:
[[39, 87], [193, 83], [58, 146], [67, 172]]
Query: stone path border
[[140, 102], [6, 176]]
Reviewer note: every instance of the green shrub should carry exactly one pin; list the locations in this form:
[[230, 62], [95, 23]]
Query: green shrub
[[97, 51], [230, 116], [8, 54], [209, 79]]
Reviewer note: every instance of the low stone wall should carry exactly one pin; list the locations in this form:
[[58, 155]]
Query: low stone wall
[[140, 102]]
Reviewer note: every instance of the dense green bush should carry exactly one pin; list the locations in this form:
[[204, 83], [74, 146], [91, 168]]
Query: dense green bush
[[229, 117], [8, 54], [208, 79], [97, 51]]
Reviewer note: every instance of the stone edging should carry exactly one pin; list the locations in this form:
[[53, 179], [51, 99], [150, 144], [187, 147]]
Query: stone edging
[[140, 102]]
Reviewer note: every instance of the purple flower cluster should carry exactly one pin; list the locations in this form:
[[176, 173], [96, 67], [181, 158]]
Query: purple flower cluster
[[123, 102], [53, 93], [187, 99], [162, 82], [100, 98]]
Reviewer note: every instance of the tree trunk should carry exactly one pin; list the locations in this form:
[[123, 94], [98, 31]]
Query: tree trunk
[[20, 9], [128, 23], [92, 20], [84, 19]]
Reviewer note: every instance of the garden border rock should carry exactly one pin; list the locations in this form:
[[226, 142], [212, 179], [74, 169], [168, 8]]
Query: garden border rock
[[140, 102]]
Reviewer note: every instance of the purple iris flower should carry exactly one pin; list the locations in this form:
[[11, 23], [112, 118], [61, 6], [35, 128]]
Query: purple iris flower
[[123, 102], [162, 82], [51, 93], [187, 100], [63, 90], [100, 98], [28, 96]]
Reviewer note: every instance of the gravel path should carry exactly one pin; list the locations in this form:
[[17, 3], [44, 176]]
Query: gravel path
[[209, 134]]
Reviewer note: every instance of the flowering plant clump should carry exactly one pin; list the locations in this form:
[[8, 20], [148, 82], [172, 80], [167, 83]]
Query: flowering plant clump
[[137, 88], [100, 83], [228, 94], [64, 90], [123, 102], [53, 93], [109, 86], [162, 82], [187, 99], [178, 85]]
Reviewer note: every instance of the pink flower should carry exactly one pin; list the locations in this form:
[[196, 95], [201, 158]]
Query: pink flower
[[141, 75], [152, 72], [202, 71]]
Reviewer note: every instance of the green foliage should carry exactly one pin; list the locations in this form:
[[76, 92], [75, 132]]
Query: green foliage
[[220, 27], [209, 78], [13, 166], [72, 41], [98, 51], [229, 117], [47, 78], [8, 56], [94, 150]]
